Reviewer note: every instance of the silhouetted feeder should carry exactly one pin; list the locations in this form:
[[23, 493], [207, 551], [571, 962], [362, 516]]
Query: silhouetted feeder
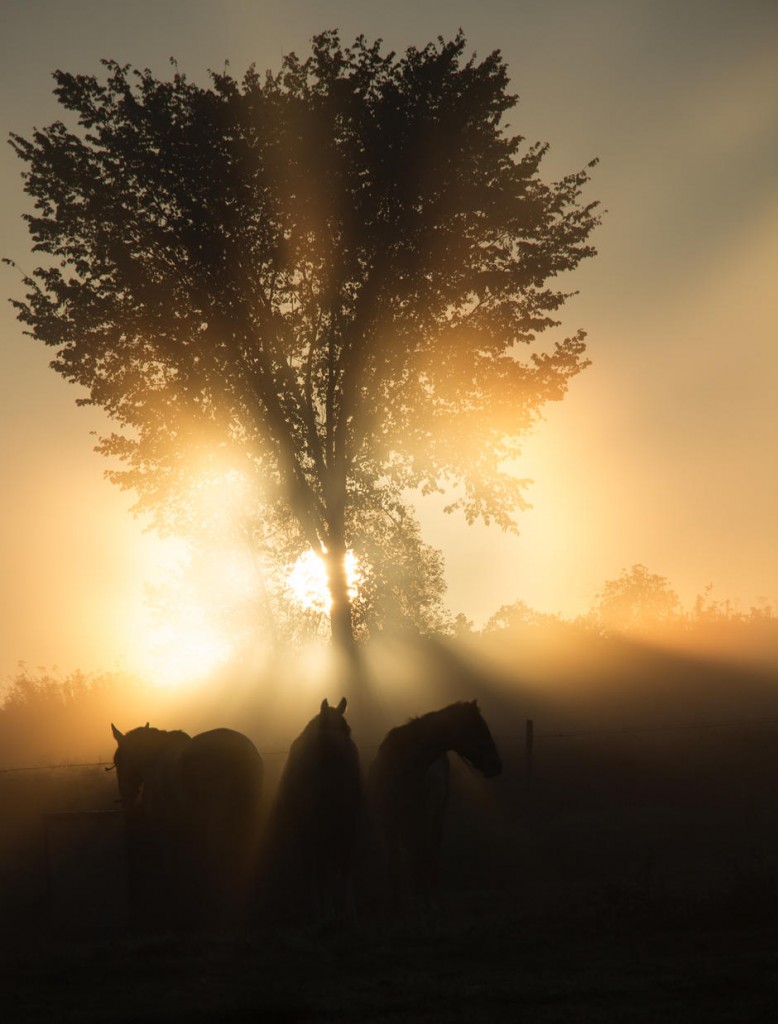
[[86, 864]]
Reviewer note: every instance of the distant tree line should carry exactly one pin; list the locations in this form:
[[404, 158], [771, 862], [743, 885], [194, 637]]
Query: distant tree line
[[45, 714], [637, 600]]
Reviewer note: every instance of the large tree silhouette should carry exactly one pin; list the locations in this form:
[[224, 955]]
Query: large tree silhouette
[[330, 272]]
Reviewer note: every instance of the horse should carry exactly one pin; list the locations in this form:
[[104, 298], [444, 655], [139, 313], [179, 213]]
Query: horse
[[408, 785], [192, 807], [317, 814]]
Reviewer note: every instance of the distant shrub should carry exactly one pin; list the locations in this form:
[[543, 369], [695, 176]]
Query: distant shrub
[[46, 718]]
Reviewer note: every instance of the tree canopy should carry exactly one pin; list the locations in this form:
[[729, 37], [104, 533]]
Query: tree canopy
[[329, 275], [638, 599]]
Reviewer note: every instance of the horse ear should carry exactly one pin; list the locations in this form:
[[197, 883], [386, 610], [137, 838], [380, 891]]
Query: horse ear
[[342, 705], [324, 705], [118, 736], [146, 725]]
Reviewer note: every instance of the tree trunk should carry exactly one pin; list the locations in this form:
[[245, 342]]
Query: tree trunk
[[340, 613], [350, 669]]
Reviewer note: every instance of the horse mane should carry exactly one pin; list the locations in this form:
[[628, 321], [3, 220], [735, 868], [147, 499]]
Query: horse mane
[[314, 728], [149, 730], [174, 733], [403, 737], [146, 741]]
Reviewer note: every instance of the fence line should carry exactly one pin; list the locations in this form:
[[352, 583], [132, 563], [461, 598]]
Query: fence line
[[108, 765], [529, 736], [637, 730], [51, 767]]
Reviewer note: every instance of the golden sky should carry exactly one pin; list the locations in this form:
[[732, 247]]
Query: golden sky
[[666, 449]]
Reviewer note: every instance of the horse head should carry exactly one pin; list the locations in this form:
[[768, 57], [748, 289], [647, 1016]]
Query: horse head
[[474, 741], [333, 720], [130, 760]]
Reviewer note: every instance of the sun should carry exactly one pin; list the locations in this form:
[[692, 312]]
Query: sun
[[307, 581], [202, 592]]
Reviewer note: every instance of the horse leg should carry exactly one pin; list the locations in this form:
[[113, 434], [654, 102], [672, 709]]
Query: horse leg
[[432, 852], [437, 789], [397, 863]]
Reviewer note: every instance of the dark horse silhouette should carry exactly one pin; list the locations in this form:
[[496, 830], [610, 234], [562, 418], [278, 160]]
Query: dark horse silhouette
[[192, 808], [409, 785], [317, 812]]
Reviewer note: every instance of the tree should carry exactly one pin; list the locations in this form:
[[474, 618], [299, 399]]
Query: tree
[[637, 598], [403, 583], [518, 616], [237, 570], [326, 274]]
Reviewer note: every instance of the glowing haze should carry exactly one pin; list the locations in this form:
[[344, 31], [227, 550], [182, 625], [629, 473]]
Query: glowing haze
[[307, 581], [665, 451]]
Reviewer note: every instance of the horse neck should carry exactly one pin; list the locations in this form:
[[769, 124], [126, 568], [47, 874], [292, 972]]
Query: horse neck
[[434, 738], [162, 767], [161, 744]]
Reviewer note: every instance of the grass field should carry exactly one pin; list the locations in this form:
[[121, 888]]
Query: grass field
[[480, 961]]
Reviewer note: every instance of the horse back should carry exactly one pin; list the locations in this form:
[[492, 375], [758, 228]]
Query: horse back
[[221, 770]]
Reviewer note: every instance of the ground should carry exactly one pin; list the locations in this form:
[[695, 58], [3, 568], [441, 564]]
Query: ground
[[623, 874], [475, 961]]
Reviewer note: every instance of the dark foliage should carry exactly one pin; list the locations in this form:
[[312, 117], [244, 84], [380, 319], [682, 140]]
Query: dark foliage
[[326, 274]]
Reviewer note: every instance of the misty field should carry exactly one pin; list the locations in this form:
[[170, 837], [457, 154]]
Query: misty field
[[628, 870]]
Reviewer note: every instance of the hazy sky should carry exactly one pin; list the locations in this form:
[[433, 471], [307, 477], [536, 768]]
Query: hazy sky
[[666, 449]]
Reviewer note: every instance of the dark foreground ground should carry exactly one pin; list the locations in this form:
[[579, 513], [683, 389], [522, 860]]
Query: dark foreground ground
[[627, 872], [476, 961], [608, 891]]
